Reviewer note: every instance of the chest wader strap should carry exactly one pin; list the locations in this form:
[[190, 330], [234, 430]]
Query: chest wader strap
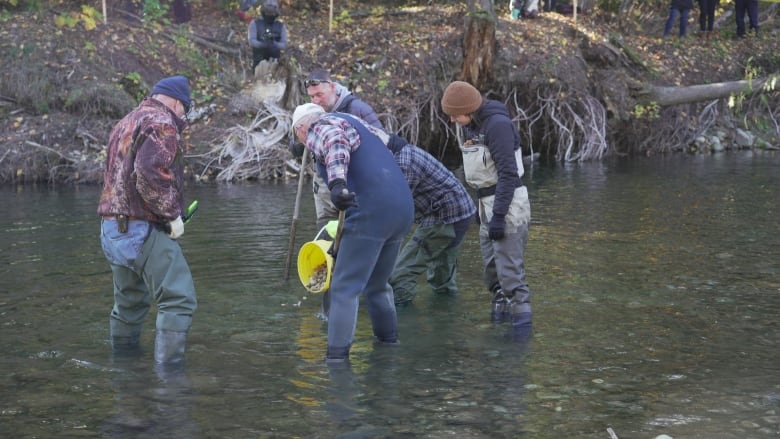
[[486, 191], [491, 190]]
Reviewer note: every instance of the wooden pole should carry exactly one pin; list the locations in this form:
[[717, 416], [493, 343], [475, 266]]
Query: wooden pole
[[574, 13], [339, 230], [296, 209], [330, 18], [334, 251]]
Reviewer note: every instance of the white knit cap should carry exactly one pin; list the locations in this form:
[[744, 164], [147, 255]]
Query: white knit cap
[[305, 110]]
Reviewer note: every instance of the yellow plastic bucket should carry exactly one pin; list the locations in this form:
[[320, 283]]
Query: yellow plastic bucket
[[312, 256]]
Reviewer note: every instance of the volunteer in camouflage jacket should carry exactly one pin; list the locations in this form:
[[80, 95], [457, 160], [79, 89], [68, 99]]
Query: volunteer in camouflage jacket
[[141, 217]]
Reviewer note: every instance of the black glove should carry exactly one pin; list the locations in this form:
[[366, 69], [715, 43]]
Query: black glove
[[340, 196], [496, 227], [395, 143], [296, 149]]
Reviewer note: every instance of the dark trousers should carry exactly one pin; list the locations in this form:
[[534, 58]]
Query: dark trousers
[[751, 7], [264, 53], [707, 14]]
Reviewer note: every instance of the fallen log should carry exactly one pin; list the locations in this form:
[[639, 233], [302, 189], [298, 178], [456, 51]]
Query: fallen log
[[668, 96]]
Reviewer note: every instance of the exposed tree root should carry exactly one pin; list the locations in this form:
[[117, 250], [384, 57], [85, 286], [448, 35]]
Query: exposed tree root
[[254, 152]]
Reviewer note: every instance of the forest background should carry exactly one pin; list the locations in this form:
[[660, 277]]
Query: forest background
[[593, 85]]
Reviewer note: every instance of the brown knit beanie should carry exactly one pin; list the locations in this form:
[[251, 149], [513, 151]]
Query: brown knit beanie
[[460, 98]]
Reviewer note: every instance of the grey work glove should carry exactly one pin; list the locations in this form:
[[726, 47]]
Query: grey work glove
[[340, 196]]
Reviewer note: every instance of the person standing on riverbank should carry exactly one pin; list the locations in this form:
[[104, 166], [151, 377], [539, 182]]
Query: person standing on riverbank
[[707, 17], [681, 9], [492, 163], [365, 182], [141, 209], [741, 7], [443, 211]]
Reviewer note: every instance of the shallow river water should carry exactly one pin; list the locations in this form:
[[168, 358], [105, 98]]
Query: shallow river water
[[656, 294]]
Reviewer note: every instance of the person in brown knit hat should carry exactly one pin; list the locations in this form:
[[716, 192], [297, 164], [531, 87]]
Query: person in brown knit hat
[[461, 98], [504, 209]]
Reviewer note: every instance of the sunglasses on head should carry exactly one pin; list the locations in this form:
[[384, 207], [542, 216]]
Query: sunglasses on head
[[315, 82]]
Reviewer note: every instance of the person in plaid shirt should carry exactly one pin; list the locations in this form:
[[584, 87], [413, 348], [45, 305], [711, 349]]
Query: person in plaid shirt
[[366, 184], [443, 211]]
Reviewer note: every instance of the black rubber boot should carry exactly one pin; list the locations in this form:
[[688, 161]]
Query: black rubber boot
[[520, 311], [379, 342], [125, 338], [125, 352], [337, 355]]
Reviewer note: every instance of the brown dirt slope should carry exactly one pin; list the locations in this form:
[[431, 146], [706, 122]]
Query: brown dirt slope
[[62, 88]]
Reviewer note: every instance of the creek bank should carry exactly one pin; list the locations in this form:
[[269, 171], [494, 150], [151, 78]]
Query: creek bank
[[546, 67]]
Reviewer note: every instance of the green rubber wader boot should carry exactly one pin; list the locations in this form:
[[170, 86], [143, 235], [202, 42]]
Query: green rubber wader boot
[[169, 347]]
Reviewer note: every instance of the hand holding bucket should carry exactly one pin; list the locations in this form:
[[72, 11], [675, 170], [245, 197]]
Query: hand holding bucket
[[316, 259]]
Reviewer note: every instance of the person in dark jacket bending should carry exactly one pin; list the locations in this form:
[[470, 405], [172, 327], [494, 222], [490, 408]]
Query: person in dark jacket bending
[[443, 211], [492, 163]]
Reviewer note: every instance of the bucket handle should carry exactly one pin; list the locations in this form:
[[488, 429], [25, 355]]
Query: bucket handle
[[317, 236]]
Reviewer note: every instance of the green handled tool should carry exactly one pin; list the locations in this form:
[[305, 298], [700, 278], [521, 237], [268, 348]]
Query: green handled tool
[[190, 211]]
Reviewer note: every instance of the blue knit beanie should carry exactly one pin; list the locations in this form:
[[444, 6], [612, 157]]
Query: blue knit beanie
[[177, 87]]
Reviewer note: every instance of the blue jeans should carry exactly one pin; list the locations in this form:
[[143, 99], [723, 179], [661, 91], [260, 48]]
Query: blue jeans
[[673, 14]]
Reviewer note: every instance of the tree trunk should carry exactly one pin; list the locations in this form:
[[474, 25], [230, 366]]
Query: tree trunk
[[667, 96], [479, 47], [484, 5]]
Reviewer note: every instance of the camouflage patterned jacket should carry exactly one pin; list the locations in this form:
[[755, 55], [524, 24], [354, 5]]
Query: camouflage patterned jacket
[[144, 175]]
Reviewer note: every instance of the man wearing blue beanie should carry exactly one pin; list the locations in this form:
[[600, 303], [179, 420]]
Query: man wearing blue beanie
[[177, 87], [141, 210]]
